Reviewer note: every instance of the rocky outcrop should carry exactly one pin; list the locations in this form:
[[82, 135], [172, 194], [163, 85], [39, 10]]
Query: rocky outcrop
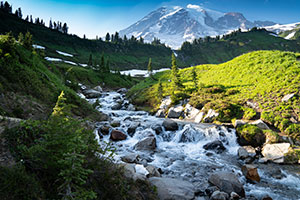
[[227, 182], [122, 90], [98, 88], [210, 116], [191, 112], [160, 113], [117, 135], [199, 117], [175, 112], [147, 144], [170, 125], [153, 171], [238, 123], [130, 158], [246, 151], [250, 172], [217, 195], [175, 189], [157, 128], [132, 128], [104, 130], [166, 102], [276, 152], [216, 146]]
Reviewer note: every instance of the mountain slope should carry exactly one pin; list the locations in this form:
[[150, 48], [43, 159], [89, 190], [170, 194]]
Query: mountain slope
[[214, 50], [175, 24], [122, 55]]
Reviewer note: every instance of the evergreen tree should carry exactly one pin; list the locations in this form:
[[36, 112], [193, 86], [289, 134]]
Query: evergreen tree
[[27, 18], [20, 13], [160, 90], [61, 108], [102, 64], [31, 20], [54, 25], [175, 76], [107, 37], [65, 28], [107, 67], [84, 37], [141, 40], [117, 39], [21, 38], [1, 5], [28, 41], [90, 62], [112, 38], [50, 24], [149, 68], [194, 77], [7, 7]]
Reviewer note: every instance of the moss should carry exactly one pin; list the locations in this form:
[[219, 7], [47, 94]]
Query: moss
[[293, 156], [271, 136], [268, 116], [248, 131], [284, 124]]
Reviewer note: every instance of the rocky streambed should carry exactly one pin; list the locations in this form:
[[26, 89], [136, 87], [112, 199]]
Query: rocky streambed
[[189, 160]]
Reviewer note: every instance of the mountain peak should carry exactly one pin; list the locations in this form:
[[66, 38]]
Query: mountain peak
[[175, 24]]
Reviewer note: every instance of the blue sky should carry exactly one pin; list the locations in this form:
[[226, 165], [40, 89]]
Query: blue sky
[[97, 17]]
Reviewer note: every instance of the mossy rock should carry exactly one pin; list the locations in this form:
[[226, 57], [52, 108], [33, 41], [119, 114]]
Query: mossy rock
[[292, 157], [271, 136], [249, 134]]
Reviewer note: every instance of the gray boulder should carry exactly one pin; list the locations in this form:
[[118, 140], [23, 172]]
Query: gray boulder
[[250, 172], [166, 102], [216, 146], [130, 158], [238, 123], [260, 124], [191, 112], [122, 90], [175, 189], [287, 97], [147, 144], [175, 112], [157, 128], [170, 125], [246, 151], [210, 116], [217, 195], [199, 117], [153, 171], [276, 152], [132, 128], [98, 88], [117, 135], [160, 113], [227, 182], [91, 94]]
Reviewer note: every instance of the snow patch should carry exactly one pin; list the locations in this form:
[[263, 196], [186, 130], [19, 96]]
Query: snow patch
[[141, 73], [70, 62], [38, 46], [83, 65], [64, 54], [289, 36], [53, 59], [282, 27]]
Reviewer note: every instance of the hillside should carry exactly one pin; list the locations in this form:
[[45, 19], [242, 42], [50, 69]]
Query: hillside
[[260, 77], [219, 50], [122, 55], [293, 34]]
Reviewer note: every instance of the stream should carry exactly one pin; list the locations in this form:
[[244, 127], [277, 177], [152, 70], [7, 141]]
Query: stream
[[180, 154]]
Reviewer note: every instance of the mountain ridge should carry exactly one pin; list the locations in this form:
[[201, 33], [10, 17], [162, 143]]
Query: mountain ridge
[[175, 24]]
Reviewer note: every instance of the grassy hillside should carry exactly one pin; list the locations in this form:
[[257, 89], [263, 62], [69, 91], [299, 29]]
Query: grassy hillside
[[30, 85], [216, 51], [262, 77], [121, 55], [296, 35]]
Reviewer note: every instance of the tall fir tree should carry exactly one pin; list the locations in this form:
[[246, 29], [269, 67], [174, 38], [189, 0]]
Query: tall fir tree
[[149, 68], [194, 78], [102, 63], [160, 90], [90, 62], [107, 37], [175, 76], [107, 66], [50, 24], [28, 41]]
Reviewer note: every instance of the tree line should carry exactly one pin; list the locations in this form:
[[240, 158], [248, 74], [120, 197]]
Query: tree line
[[58, 26]]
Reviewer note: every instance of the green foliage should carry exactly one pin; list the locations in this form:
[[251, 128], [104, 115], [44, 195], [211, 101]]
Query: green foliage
[[249, 113], [248, 131], [194, 78], [149, 67], [16, 183], [268, 116]]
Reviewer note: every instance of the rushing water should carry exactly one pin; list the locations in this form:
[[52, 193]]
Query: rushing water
[[180, 154]]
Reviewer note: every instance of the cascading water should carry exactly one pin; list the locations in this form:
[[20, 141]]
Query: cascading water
[[180, 154]]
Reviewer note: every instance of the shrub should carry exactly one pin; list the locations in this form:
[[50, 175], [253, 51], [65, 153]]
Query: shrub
[[249, 113], [268, 116]]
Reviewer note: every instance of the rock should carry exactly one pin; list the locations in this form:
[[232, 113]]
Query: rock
[[191, 112], [91, 94], [267, 197], [157, 128], [104, 130], [132, 128], [275, 173], [260, 124], [98, 88], [115, 124], [175, 112], [166, 102], [199, 117], [253, 105], [275, 152], [246, 151], [170, 125], [122, 90], [216, 146], [160, 114], [211, 116], [175, 189], [287, 97], [153, 171], [130, 107], [117, 106], [217, 195], [117, 135], [140, 169], [238, 123], [227, 182], [234, 196], [210, 190], [130, 172], [130, 158], [148, 143], [250, 172]]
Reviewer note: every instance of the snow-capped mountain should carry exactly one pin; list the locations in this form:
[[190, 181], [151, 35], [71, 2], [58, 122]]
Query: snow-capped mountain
[[277, 28], [173, 25]]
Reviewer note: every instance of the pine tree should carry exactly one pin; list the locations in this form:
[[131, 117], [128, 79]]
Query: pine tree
[[27, 18], [20, 13], [61, 108], [90, 62], [107, 67], [7, 7], [50, 24], [107, 37], [1, 5], [84, 37], [149, 68], [21, 38], [102, 63], [175, 76], [65, 28], [194, 77], [28, 41], [117, 37], [31, 20]]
